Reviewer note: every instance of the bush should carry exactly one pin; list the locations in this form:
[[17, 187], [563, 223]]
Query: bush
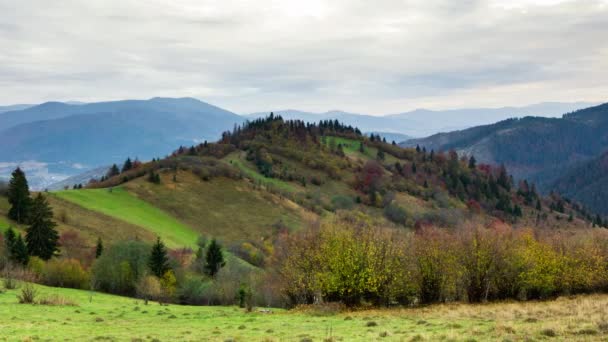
[[342, 202], [148, 288], [65, 273], [395, 213], [28, 294]]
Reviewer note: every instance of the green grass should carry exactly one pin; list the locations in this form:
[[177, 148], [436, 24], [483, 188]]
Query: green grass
[[122, 205], [227, 209], [102, 317]]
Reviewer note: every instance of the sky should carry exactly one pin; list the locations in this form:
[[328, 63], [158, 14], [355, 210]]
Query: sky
[[375, 57]]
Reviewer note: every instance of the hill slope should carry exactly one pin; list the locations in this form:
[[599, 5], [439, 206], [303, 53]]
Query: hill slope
[[539, 149]]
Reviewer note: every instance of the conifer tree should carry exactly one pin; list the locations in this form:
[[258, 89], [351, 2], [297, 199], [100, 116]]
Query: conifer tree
[[9, 239], [98, 248], [159, 261], [472, 162], [214, 260], [128, 165], [19, 197], [113, 171], [41, 238], [19, 252]]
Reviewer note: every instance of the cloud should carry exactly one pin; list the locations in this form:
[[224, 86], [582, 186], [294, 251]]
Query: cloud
[[376, 57]]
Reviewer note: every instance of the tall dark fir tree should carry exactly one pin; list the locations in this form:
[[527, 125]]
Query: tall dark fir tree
[[41, 236], [159, 261], [19, 197]]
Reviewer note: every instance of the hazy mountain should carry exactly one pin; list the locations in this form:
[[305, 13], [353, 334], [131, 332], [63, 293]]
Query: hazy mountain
[[14, 107], [82, 178], [423, 122], [94, 134], [540, 149]]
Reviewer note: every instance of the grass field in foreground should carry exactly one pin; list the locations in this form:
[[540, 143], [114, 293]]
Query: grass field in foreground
[[122, 205], [99, 317]]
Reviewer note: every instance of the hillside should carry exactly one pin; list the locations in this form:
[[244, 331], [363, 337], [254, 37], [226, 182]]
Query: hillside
[[280, 174], [533, 148], [586, 183], [68, 139]]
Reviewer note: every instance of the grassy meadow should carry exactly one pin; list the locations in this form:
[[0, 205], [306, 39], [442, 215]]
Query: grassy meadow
[[94, 316], [122, 205]]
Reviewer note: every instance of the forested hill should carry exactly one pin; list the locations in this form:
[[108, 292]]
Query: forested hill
[[587, 183], [327, 167], [533, 148]]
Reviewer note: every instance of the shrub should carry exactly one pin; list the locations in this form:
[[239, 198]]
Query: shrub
[[28, 294], [395, 213], [65, 273], [148, 288], [342, 202]]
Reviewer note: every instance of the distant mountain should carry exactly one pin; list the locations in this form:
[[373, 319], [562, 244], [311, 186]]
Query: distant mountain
[[423, 122], [100, 133], [539, 149], [14, 107], [587, 183], [390, 137], [82, 178]]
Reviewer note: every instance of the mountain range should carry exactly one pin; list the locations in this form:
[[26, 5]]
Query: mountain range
[[67, 139], [56, 140], [424, 122]]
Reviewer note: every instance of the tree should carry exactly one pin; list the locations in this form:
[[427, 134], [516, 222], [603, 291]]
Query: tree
[[380, 155], [113, 171], [42, 238], [159, 261], [9, 239], [128, 165], [19, 252], [98, 248], [18, 197], [472, 162], [214, 258]]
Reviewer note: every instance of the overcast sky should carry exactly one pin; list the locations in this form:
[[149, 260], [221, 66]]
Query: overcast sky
[[377, 57]]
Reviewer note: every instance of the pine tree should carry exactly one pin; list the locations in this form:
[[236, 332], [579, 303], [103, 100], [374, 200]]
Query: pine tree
[[472, 162], [113, 171], [538, 205], [214, 259], [361, 147], [19, 197], [98, 248], [19, 252], [9, 239], [380, 155], [128, 165], [42, 238], [159, 262]]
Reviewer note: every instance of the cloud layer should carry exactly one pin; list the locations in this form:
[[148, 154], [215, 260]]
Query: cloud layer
[[382, 56]]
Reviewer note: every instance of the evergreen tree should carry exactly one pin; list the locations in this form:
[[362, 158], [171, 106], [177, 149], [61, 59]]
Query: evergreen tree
[[98, 248], [19, 252], [413, 167], [128, 165], [159, 261], [380, 155], [472, 162], [42, 238], [9, 239], [214, 259], [538, 205], [19, 197], [113, 171], [361, 147]]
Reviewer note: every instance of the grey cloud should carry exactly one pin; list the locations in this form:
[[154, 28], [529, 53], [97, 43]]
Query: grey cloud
[[381, 56]]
